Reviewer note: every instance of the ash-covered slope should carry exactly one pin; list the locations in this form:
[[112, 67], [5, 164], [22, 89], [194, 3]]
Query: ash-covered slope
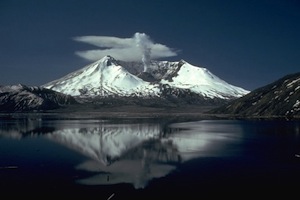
[[110, 78], [23, 98], [280, 98]]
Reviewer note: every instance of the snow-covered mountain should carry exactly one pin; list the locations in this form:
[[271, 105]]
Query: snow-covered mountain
[[102, 78], [109, 77]]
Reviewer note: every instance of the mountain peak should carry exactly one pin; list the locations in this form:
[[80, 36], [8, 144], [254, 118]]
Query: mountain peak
[[106, 61], [109, 60]]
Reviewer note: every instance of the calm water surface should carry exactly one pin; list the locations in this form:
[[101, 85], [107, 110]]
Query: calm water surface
[[127, 160]]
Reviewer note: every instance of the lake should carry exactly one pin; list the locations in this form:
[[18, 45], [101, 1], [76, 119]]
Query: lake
[[136, 159]]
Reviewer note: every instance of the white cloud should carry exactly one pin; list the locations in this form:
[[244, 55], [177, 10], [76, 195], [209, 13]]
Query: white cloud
[[126, 49], [106, 41]]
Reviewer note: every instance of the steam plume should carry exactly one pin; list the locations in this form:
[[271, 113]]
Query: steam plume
[[144, 43]]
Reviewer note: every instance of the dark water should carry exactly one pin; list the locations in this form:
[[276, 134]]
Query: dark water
[[95, 159]]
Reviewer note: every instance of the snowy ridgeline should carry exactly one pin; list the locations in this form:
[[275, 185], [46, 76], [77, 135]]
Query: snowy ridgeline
[[108, 77]]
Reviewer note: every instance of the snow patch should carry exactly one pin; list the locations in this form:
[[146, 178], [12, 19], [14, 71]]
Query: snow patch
[[297, 104], [292, 83]]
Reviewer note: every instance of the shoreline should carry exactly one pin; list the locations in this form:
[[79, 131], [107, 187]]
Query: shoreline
[[135, 113], [188, 113]]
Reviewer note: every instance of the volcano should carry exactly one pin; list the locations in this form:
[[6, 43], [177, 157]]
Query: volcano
[[109, 77]]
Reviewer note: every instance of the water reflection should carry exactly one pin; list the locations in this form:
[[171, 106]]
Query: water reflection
[[131, 153], [121, 153], [207, 138]]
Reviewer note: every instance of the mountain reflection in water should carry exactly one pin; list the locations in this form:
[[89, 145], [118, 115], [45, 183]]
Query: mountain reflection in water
[[131, 153], [121, 153]]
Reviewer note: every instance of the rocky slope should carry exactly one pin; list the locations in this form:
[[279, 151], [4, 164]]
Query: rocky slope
[[280, 98], [23, 98]]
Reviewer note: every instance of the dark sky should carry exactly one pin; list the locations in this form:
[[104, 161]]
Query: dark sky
[[248, 43]]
